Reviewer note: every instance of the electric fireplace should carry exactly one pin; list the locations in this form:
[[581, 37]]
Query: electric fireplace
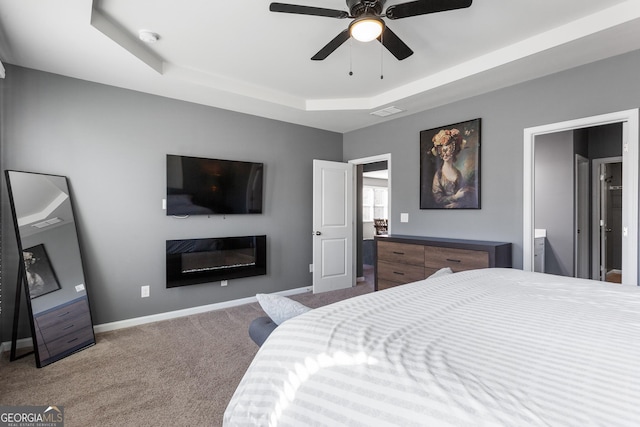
[[194, 261]]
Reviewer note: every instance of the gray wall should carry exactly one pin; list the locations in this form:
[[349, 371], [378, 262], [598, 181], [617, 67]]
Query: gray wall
[[554, 170], [112, 143], [601, 87]]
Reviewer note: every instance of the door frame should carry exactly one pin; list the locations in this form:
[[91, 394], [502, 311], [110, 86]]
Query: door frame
[[363, 161], [374, 159], [581, 252], [630, 142]]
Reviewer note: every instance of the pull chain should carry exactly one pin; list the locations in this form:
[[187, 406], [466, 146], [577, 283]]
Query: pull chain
[[381, 56], [350, 57]]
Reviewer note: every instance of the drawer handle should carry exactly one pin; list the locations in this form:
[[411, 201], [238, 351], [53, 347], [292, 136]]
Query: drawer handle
[[398, 253], [68, 327], [398, 273], [453, 260], [63, 314], [70, 341]]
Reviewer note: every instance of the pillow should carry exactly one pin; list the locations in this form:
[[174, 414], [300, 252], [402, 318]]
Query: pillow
[[280, 308], [441, 272]]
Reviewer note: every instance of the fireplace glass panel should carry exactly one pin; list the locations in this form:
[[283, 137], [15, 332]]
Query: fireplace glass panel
[[195, 261]]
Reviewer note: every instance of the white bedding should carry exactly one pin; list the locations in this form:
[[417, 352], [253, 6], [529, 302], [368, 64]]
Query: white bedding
[[493, 347]]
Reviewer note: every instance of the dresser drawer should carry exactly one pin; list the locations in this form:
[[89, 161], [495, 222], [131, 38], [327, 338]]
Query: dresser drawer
[[43, 353], [62, 314], [64, 329], [68, 326], [78, 338], [400, 273], [386, 284], [401, 253], [457, 259]]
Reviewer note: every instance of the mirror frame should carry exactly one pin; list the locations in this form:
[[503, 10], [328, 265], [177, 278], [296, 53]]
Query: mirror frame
[[22, 281]]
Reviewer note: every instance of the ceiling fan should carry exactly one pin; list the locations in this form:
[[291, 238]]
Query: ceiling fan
[[367, 23]]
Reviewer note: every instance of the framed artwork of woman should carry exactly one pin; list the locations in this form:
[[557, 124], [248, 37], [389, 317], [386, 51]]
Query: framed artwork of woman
[[40, 275], [450, 166]]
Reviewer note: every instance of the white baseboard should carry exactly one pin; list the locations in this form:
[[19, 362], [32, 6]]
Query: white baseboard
[[21, 343], [112, 326], [188, 311]]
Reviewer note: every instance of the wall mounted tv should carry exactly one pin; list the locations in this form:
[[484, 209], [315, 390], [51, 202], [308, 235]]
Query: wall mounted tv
[[199, 186]]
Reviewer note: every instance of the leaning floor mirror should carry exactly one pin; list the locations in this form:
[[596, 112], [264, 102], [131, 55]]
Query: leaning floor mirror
[[51, 273]]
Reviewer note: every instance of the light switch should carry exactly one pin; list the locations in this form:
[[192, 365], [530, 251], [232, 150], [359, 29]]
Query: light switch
[[404, 217]]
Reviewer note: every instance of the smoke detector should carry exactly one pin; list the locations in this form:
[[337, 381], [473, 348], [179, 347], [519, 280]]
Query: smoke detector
[[148, 36]]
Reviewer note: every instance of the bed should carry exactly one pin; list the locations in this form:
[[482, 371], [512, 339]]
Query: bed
[[490, 347]]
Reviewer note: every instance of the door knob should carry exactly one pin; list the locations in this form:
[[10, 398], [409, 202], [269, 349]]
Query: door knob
[[316, 233]]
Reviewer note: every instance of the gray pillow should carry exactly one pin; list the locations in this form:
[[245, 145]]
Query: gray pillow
[[280, 308]]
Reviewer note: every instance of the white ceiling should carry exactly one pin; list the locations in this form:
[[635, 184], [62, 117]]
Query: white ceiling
[[38, 198], [239, 56]]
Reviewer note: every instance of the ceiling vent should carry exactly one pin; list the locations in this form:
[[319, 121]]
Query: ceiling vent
[[47, 223], [389, 111]]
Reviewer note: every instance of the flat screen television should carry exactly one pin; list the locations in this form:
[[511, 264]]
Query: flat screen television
[[200, 186]]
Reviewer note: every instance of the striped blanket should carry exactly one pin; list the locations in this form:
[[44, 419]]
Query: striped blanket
[[492, 347]]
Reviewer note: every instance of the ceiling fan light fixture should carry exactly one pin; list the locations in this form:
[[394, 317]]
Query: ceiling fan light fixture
[[366, 29]]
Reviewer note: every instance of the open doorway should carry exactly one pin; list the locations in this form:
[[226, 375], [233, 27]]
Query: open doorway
[[373, 201], [375, 210], [578, 208], [579, 231]]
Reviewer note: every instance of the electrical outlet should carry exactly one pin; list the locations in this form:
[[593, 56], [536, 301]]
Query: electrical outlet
[[224, 283], [310, 268], [144, 291]]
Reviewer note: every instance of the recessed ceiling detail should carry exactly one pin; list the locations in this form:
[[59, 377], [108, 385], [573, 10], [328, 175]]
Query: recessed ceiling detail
[[263, 70]]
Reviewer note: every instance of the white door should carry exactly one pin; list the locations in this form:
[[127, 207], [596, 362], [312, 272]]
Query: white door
[[333, 207]]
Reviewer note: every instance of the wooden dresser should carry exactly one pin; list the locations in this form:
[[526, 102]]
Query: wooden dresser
[[405, 259], [63, 330]]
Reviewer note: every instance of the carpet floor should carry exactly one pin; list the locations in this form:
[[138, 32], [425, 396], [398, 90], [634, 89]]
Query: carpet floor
[[175, 372]]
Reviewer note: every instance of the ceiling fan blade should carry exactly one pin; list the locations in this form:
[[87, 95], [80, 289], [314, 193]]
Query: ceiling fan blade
[[392, 42], [422, 7], [307, 10], [332, 45]]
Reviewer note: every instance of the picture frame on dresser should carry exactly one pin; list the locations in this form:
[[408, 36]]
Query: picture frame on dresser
[[450, 166]]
